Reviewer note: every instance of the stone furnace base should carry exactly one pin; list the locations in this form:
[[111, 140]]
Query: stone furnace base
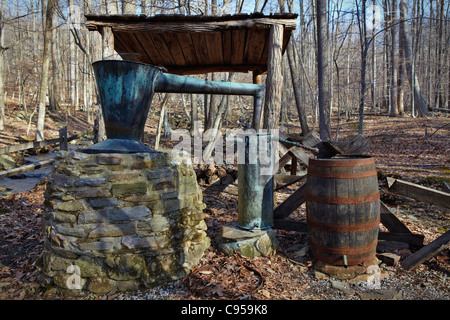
[[120, 221]]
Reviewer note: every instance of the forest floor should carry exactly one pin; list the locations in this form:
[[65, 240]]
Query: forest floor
[[416, 150]]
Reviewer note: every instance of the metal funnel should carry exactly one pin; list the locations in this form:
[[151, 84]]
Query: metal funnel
[[125, 91]]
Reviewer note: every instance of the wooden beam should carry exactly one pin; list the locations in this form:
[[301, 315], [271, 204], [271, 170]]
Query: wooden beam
[[418, 192], [28, 145], [299, 154], [289, 205], [357, 146], [107, 43], [390, 221], [288, 180], [94, 23], [26, 168], [413, 239], [427, 252], [312, 140], [290, 225], [40, 144]]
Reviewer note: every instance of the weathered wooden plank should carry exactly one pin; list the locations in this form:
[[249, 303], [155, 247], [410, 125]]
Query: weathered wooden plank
[[192, 18], [312, 140], [149, 48], [300, 155], [63, 141], [289, 178], [201, 51], [188, 48], [427, 252], [186, 26], [238, 38], [265, 50], [28, 145], [284, 160], [418, 192], [134, 50], [294, 165], [26, 168], [40, 144], [173, 44], [163, 48], [290, 225], [295, 200], [78, 135], [254, 46], [227, 44], [412, 239], [214, 46], [390, 221]]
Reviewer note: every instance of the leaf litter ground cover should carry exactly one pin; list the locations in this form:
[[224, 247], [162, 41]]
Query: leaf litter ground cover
[[402, 150]]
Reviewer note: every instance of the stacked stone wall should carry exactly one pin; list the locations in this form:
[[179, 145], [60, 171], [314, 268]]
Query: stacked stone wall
[[120, 221]]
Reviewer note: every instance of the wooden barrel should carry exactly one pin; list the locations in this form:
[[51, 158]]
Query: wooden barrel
[[343, 209]]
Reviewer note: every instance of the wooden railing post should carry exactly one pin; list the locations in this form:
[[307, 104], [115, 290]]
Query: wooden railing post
[[63, 144]]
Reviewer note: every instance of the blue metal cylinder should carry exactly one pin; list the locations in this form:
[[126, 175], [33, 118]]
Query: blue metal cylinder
[[255, 187]]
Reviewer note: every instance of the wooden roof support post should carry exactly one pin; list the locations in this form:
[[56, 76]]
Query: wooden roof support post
[[107, 43], [257, 76], [274, 80]]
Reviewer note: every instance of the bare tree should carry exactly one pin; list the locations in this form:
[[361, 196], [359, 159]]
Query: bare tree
[[405, 33], [394, 46], [49, 17], [322, 43], [294, 70], [2, 64]]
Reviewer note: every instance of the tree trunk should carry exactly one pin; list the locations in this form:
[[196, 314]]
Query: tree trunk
[[217, 123], [73, 64], [129, 6], [50, 15], [54, 90], [2, 65], [322, 44], [394, 48], [386, 69], [194, 115], [364, 49], [419, 102], [374, 58], [297, 87], [161, 119], [401, 78], [214, 101]]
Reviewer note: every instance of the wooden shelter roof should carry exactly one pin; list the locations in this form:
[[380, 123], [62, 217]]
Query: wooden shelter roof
[[195, 44]]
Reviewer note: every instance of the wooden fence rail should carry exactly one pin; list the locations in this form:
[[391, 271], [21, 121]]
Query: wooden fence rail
[[62, 140]]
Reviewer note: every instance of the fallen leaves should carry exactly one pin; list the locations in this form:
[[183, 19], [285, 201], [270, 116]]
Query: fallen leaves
[[225, 277], [21, 243]]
